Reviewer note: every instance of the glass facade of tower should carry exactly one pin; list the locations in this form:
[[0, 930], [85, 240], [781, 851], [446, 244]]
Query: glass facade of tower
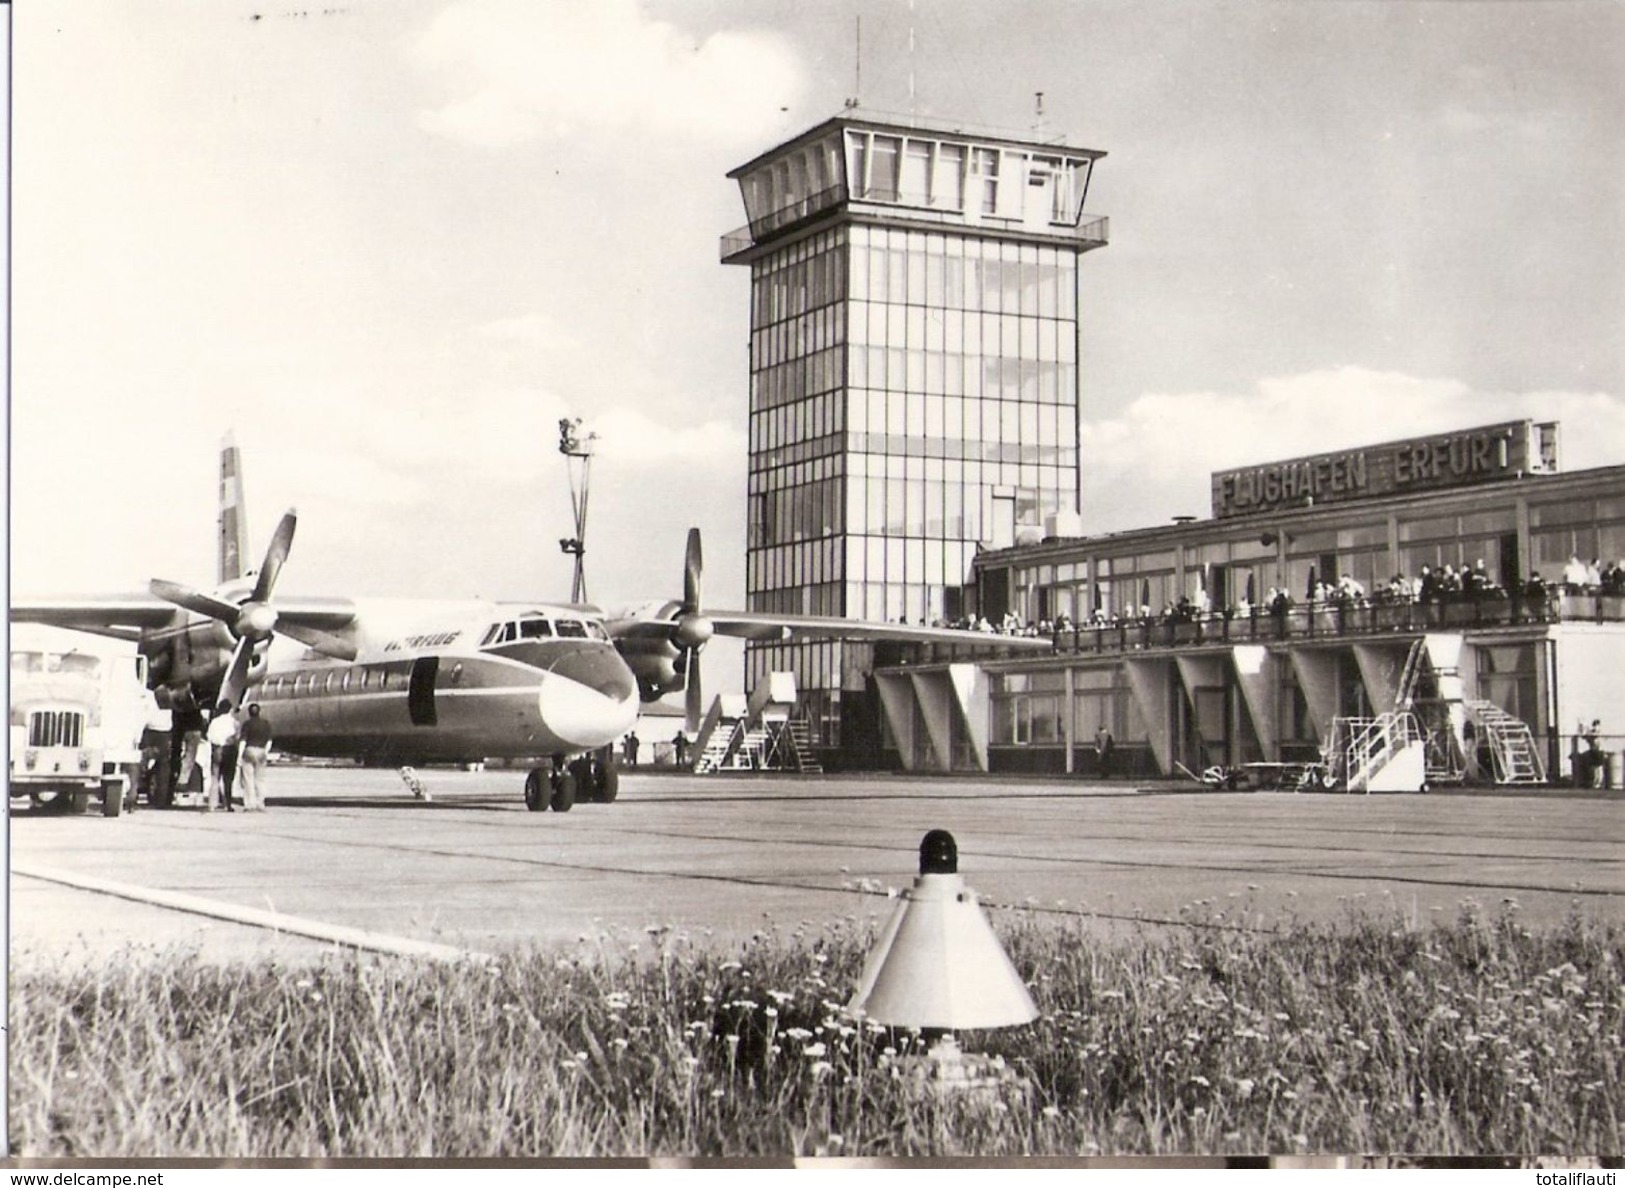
[[913, 376]]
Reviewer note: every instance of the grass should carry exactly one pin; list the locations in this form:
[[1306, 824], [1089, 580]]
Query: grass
[[1475, 1036]]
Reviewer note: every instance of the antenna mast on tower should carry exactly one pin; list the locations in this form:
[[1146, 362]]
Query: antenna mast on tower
[[577, 450], [857, 66]]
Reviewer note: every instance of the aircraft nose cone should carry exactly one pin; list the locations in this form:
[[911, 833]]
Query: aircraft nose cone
[[589, 698]]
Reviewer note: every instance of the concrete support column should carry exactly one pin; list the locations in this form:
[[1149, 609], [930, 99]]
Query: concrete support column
[[1381, 666], [897, 702], [1261, 690], [1317, 677], [935, 698], [1152, 682], [970, 690]]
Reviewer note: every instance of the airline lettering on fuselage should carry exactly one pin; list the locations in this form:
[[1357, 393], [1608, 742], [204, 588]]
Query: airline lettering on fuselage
[[439, 640]]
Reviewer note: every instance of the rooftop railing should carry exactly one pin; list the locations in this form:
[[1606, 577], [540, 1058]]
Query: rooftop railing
[[1309, 622]]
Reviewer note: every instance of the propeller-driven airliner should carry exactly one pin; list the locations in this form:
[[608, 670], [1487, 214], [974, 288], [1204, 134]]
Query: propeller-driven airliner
[[417, 681]]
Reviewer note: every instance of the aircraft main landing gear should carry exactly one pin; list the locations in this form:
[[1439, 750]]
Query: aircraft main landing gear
[[550, 787], [597, 776]]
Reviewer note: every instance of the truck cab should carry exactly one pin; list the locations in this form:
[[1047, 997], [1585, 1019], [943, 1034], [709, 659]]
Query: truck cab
[[75, 725]]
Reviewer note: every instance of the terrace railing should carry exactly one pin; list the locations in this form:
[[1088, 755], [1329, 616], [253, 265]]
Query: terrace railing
[[1318, 621]]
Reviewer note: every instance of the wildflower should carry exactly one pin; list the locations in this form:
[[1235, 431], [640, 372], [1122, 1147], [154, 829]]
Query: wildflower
[[797, 1033], [619, 1044], [716, 1093], [821, 1067], [1201, 1080], [814, 1050], [1051, 1111]]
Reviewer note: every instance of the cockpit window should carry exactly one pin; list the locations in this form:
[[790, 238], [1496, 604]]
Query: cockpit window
[[536, 629], [572, 629]]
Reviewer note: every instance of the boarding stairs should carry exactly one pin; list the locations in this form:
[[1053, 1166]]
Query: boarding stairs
[[1381, 754], [761, 733], [789, 748], [799, 732], [717, 741], [1511, 744], [1420, 685]]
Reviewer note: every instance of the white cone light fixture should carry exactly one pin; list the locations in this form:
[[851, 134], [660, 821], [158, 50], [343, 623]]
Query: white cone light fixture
[[938, 966]]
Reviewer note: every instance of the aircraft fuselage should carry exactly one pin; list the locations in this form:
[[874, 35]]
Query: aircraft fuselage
[[451, 683]]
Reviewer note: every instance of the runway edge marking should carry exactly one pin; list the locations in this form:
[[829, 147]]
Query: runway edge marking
[[339, 934]]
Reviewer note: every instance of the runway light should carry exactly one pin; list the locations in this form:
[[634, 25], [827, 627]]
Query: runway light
[[938, 968]]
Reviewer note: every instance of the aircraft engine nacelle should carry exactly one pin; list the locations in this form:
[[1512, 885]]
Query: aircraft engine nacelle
[[193, 664], [659, 665], [655, 664]]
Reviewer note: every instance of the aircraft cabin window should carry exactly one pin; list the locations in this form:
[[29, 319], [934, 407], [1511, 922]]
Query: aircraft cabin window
[[344, 683], [537, 628], [572, 629], [596, 630]]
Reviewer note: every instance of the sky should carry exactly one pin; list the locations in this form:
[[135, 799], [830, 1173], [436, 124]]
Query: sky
[[390, 243]]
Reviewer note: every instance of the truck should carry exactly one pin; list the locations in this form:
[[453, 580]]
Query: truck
[[76, 720]]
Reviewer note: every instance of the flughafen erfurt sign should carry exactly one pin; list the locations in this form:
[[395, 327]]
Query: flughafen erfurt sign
[[1417, 464]]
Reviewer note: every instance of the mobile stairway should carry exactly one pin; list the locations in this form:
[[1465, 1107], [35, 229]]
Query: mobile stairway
[[1434, 734], [762, 733]]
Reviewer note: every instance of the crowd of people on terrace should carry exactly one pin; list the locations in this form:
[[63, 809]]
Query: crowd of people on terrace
[[1445, 584]]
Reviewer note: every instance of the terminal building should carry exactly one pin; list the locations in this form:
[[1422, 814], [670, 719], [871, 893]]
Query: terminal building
[[914, 399], [1461, 578], [914, 368]]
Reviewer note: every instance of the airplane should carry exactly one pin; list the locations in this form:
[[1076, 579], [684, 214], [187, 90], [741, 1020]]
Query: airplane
[[404, 681]]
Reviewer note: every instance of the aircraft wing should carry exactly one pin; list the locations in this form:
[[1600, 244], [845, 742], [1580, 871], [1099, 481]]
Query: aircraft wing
[[764, 627], [325, 614], [121, 616], [126, 616]]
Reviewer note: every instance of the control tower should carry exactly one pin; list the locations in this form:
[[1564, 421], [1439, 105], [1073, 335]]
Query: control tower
[[914, 364]]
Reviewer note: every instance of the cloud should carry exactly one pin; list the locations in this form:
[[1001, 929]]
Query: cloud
[[1154, 460], [521, 70]]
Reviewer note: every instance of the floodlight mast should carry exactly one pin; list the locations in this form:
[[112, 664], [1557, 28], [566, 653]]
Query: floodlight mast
[[577, 449]]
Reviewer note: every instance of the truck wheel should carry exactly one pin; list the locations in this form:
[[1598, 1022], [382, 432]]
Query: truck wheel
[[112, 798], [78, 802]]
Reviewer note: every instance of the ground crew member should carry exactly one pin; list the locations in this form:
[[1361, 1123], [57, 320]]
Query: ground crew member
[[222, 736], [256, 745]]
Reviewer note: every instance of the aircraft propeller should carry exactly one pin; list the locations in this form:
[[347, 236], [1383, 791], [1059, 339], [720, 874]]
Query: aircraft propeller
[[255, 620], [691, 631]]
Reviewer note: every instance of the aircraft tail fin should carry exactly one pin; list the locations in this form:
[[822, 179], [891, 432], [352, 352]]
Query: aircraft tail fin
[[233, 520]]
